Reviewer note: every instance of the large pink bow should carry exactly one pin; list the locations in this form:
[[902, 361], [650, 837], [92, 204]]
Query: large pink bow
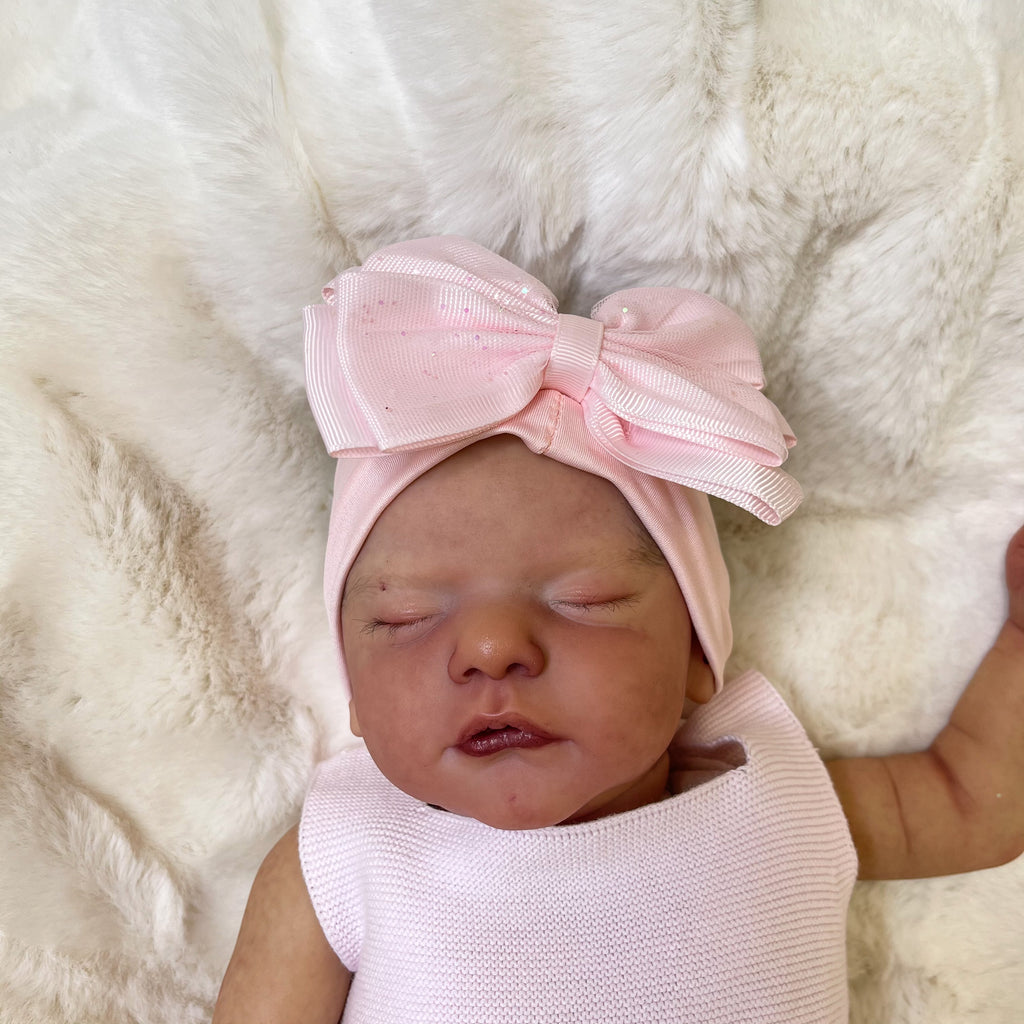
[[439, 339]]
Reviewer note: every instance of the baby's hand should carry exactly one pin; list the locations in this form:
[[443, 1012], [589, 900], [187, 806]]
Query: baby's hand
[[958, 806]]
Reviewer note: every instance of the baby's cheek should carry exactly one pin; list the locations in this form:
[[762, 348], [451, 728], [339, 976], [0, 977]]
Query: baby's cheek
[[657, 712]]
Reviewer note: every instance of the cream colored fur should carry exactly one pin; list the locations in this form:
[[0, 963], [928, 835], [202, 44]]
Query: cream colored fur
[[178, 179]]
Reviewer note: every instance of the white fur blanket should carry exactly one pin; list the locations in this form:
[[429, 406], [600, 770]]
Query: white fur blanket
[[179, 178]]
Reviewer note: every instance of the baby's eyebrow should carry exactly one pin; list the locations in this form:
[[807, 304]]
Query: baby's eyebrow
[[647, 555], [354, 586], [644, 553]]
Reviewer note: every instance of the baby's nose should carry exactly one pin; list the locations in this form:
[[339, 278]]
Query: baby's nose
[[495, 641]]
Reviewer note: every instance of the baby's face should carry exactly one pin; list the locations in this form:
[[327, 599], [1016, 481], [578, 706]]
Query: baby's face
[[515, 653]]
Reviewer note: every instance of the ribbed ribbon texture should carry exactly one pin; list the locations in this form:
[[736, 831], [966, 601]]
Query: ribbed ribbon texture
[[439, 339]]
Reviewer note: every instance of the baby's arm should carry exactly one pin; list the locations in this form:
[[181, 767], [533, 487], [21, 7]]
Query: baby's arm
[[958, 806], [282, 970]]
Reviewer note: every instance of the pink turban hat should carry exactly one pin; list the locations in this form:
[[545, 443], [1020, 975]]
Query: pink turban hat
[[434, 344]]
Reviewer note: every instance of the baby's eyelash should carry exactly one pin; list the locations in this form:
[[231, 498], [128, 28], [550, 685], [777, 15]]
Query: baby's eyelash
[[611, 603], [373, 625]]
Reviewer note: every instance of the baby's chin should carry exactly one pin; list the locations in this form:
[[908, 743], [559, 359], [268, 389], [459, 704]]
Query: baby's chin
[[514, 796], [524, 807]]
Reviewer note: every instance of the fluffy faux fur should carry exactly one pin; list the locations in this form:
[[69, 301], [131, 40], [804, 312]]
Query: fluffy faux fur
[[179, 178]]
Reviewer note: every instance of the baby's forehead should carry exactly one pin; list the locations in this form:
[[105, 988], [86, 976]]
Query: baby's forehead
[[537, 546], [465, 514], [500, 478]]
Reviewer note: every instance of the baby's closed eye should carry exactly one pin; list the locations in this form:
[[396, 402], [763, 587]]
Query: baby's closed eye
[[394, 626], [590, 605]]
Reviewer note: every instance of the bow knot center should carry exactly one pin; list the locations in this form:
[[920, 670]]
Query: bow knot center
[[574, 355]]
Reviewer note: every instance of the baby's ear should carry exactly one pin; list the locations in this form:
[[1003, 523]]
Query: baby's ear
[[353, 719], [700, 680]]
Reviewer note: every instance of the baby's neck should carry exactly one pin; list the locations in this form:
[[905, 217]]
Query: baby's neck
[[648, 789]]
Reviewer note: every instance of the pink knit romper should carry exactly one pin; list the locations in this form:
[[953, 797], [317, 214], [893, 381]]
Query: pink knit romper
[[723, 904]]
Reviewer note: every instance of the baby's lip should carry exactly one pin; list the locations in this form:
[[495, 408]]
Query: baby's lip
[[491, 734]]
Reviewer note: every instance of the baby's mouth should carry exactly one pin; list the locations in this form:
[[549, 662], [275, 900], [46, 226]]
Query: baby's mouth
[[496, 737]]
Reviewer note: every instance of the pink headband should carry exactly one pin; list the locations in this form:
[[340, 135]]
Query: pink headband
[[437, 343]]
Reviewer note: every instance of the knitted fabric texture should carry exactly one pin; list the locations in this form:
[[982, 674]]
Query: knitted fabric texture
[[725, 903]]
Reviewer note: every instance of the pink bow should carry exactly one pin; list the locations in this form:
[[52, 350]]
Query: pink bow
[[439, 339]]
